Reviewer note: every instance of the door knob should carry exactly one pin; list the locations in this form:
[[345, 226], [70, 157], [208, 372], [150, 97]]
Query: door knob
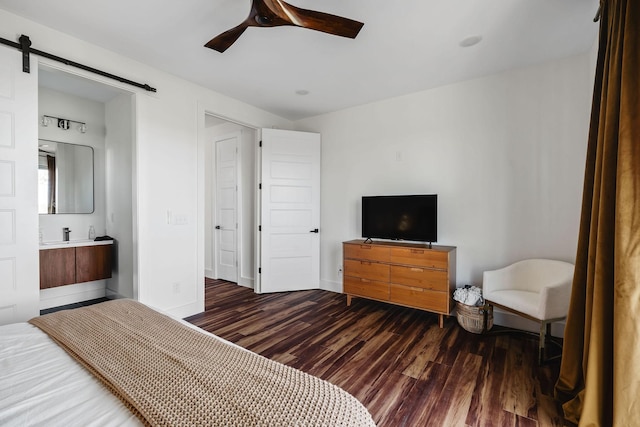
[[217, 227], [315, 230]]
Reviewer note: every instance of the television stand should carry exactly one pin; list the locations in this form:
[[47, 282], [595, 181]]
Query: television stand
[[409, 274]]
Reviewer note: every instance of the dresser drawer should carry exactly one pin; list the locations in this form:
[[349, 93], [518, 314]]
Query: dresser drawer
[[420, 298], [420, 277], [366, 288], [420, 257], [369, 252], [366, 270]]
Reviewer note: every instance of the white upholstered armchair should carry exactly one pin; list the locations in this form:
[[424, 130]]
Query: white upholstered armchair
[[537, 289]]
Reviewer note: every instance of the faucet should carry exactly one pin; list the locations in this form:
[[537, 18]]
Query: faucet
[[65, 234]]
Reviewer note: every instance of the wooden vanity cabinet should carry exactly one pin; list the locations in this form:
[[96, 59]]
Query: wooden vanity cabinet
[[412, 275], [66, 266]]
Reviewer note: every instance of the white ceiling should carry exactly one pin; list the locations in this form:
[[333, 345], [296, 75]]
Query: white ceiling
[[404, 46]]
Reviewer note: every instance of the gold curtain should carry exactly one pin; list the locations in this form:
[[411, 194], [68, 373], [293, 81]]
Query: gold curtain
[[51, 188], [599, 382]]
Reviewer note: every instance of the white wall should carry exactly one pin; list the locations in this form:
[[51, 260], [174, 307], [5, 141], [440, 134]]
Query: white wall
[[504, 153], [120, 152], [59, 104], [169, 164]]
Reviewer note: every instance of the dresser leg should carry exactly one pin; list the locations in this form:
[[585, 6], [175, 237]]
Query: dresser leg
[[348, 300], [441, 320]]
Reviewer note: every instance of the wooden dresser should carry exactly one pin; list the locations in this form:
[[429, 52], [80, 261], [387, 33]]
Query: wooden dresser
[[412, 275]]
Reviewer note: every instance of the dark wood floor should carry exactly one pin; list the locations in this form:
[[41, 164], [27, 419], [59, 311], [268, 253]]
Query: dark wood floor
[[396, 361]]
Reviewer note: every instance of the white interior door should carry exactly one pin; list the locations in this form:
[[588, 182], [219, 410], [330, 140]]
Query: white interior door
[[290, 211], [226, 225], [19, 272]]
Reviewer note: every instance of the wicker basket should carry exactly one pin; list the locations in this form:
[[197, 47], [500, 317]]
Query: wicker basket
[[472, 318]]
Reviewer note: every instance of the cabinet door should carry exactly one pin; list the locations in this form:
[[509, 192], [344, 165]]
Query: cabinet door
[[57, 267], [93, 263]]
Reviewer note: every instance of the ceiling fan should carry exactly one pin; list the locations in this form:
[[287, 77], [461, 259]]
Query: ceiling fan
[[275, 13]]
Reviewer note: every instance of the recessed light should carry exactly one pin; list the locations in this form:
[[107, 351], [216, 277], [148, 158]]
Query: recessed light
[[470, 41], [302, 92]]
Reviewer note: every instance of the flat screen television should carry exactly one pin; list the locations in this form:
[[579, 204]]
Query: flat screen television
[[413, 217]]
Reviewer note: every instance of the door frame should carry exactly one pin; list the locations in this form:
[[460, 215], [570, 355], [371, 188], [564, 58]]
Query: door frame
[[134, 245], [205, 162]]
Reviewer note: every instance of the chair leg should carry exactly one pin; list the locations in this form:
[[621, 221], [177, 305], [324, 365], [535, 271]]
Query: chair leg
[[545, 333], [544, 330]]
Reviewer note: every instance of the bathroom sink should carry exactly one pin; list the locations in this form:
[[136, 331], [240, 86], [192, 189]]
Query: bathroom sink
[[84, 242]]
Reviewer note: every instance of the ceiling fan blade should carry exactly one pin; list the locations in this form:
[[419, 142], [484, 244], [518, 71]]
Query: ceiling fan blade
[[273, 13], [222, 41], [320, 21]]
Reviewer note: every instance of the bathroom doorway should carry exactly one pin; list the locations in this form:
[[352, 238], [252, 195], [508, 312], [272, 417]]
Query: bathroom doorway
[[99, 116], [230, 194]]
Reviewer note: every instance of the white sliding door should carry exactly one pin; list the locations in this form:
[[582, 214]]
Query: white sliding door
[[19, 261]]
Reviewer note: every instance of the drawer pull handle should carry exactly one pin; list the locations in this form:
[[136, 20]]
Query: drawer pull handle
[[416, 251], [365, 280], [419, 270], [365, 247], [365, 263]]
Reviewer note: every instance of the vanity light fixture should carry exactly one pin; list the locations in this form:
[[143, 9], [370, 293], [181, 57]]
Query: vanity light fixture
[[64, 124]]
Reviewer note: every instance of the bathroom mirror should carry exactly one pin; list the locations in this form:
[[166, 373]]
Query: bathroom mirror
[[65, 178]]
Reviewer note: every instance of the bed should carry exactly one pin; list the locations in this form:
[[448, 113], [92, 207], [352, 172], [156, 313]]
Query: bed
[[122, 363]]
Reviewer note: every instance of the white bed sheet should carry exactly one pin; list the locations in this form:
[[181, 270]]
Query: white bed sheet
[[41, 385]]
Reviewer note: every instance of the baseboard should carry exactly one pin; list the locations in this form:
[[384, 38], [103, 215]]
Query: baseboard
[[113, 294], [328, 285], [209, 274], [70, 294], [247, 282]]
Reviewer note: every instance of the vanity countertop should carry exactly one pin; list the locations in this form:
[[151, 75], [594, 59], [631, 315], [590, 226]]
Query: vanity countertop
[[73, 244]]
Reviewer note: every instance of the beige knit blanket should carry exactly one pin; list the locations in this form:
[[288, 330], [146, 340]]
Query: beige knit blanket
[[169, 374]]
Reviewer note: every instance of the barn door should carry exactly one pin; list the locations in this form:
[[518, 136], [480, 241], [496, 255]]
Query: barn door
[[19, 272]]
